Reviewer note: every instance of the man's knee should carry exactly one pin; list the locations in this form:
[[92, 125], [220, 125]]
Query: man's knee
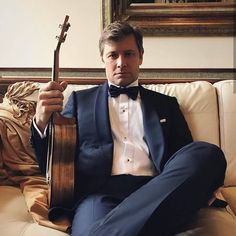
[[210, 153], [198, 158], [208, 161]]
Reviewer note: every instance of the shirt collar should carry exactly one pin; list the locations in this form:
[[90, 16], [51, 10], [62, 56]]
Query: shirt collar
[[135, 83]]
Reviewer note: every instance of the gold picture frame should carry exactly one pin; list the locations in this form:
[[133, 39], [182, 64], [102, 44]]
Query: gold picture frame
[[175, 19]]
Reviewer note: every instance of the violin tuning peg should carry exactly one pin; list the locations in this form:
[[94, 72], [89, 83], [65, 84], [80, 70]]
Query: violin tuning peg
[[67, 26], [57, 37], [64, 38]]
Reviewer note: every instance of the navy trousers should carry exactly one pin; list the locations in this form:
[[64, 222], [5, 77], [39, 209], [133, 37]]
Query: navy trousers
[[154, 206]]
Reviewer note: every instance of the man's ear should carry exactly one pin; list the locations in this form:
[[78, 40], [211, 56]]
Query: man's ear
[[103, 63], [141, 57]]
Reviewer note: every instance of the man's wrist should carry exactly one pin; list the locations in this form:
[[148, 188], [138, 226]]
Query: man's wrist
[[41, 131]]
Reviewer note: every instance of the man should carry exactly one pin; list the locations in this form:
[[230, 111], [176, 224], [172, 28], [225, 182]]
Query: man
[[139, 171]]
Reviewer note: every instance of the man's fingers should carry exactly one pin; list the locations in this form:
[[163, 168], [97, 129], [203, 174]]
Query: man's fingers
[[52, 85], [50, 99], [50, 94]]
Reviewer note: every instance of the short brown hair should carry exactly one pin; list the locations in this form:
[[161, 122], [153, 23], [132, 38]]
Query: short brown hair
[[117, 31]]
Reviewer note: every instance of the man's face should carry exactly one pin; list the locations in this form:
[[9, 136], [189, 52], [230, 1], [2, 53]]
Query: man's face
[[122, 60]]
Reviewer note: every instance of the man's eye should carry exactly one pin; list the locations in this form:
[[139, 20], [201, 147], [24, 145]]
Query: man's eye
[[128, 54], [113, 56]]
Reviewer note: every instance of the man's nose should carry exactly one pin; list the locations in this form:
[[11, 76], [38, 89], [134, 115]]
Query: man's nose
[[121, 61]]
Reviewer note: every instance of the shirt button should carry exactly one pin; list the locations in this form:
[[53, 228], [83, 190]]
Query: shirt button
[[129, 160], [123, 109]]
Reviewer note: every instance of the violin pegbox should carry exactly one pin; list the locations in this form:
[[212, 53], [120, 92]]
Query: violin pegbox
[[64, 28]]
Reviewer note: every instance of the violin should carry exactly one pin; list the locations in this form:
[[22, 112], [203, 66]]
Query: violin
[[60, 172]]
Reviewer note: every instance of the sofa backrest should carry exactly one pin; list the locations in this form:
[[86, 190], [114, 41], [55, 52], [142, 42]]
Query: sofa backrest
[[198, 103]]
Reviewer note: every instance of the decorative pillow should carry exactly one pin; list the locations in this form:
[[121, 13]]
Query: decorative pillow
[[17, 157]]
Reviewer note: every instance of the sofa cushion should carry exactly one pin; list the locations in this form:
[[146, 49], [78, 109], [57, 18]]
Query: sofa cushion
[[15, 219], [12, 205], [212, 222], [226, 91]]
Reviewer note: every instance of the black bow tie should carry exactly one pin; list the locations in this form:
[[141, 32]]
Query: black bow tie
[[132, 92]]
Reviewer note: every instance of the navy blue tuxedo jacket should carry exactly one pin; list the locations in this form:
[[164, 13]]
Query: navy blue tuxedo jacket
[[165, 128]]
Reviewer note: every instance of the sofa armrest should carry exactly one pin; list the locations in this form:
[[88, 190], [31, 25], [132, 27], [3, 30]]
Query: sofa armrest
[[227, 114]]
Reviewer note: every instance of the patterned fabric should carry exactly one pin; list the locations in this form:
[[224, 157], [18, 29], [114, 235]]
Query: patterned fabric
[[18, 164]]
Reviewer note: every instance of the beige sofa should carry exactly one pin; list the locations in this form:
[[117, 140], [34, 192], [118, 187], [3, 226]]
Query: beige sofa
[[210, 110]]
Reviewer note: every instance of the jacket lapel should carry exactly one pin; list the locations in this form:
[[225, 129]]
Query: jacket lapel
[[101, 117], [152, 128]]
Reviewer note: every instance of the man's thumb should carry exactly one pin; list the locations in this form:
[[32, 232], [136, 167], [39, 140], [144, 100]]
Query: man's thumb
[[64, 84]]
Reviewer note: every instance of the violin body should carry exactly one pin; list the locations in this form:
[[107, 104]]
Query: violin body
[[62, 166]]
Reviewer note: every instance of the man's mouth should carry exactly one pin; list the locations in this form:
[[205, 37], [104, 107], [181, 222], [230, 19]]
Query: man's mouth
[[122, 73]]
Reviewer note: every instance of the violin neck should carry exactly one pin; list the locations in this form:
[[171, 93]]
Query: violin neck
[[55, 68]]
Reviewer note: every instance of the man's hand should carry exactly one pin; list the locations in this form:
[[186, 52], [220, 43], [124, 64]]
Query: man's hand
[[50, 100]]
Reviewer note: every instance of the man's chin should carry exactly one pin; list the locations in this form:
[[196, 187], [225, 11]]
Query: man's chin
[[123, 80], [123, 83]]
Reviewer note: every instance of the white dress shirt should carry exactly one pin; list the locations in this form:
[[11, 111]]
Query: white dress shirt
[[131, 154]]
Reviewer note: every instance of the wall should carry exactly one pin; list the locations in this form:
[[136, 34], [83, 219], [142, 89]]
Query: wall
[[28, 30]]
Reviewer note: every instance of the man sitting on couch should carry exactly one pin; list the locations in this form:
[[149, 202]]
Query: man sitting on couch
[[139, 171]]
